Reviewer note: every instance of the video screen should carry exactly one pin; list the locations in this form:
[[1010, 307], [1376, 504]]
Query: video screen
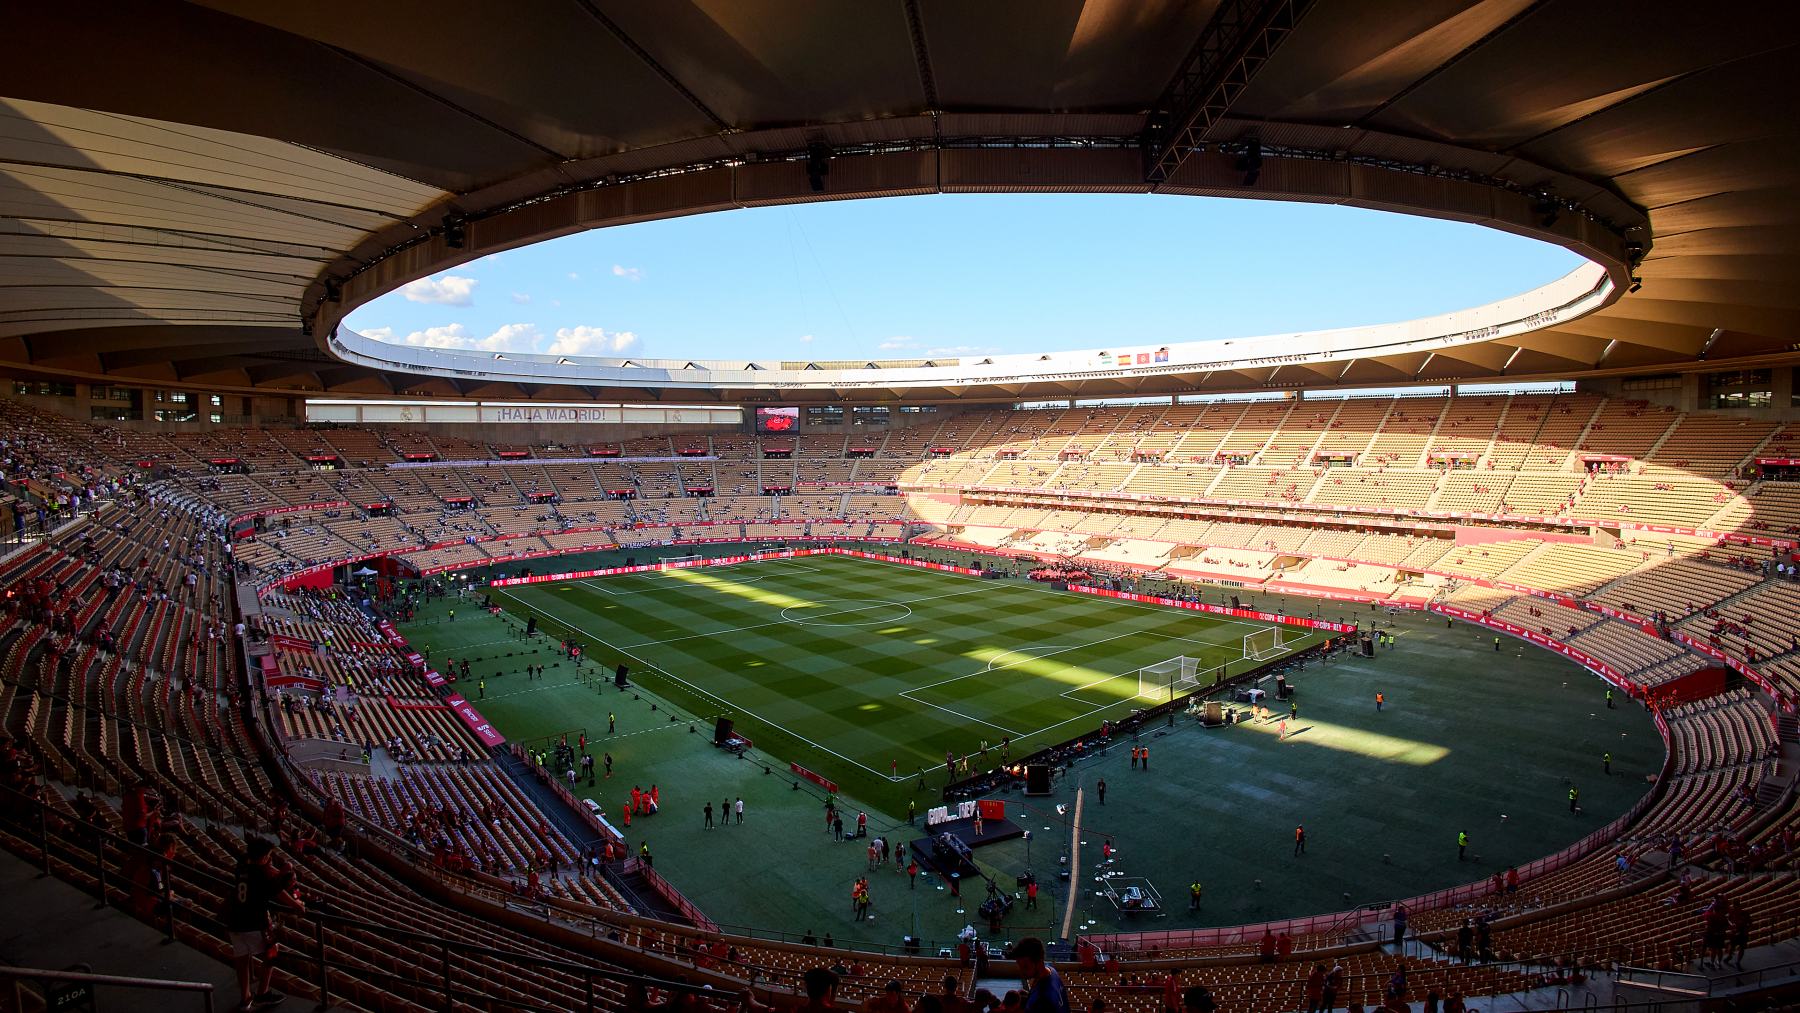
[[777, 420]]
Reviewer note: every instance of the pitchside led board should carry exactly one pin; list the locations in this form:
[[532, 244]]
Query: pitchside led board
[[777, 420], [990, 809]]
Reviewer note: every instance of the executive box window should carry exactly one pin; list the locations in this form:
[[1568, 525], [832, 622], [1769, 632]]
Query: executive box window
[[1742, 388], [104, 414], [825, 415]]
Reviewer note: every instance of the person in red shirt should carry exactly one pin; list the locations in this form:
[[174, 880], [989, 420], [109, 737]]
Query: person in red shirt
[[1265, 950], [333, 820], [139, 811], [891, 1000], [1031, 895]]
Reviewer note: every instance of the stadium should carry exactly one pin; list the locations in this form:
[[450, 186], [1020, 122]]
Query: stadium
[[1442, 662]]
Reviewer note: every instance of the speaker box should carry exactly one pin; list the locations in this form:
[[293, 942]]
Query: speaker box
[[1213, 713], [1037, 779], [722, 731], [1368, 647], [619, 675]]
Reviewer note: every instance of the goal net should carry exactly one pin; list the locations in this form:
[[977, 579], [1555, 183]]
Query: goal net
[[1268, 642], [1167, 680], [674, 560]]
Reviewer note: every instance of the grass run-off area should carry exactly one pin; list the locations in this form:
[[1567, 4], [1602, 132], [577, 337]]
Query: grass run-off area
[[868, 672], [1470, 739]]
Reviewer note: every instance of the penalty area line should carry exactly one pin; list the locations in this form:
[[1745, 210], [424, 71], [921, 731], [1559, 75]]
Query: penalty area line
[[705, 693]]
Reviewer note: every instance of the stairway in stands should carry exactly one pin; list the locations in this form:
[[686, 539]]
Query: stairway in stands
[[645, 899]]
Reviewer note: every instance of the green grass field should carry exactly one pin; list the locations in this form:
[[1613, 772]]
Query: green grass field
[[1471, 738], [869, 672]]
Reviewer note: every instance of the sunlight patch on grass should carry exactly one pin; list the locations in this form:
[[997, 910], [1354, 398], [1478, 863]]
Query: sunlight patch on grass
[[1345, 739], [1006, 661], [724, 584]]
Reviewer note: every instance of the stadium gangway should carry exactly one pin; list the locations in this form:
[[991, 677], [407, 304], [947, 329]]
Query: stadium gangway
[[1685, 986]]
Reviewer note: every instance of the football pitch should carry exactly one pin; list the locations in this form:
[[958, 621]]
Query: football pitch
[[869, 671], [866, 672]]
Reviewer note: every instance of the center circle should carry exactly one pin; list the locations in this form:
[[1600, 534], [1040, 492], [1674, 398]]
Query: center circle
[[849, 609]]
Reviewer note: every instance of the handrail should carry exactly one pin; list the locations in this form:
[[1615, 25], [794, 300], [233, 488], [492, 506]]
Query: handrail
[[1471, 890], [109, 858], [1708, 984], [22, 975]]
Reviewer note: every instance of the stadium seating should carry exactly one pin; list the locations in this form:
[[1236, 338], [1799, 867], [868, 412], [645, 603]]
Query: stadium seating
[[120, 678]]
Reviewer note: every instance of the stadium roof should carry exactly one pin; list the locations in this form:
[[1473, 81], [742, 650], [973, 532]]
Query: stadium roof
[[196, 193]]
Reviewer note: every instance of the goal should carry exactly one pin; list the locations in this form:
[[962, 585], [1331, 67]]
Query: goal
[[1167, 680], [678, 560], [1268, 642]]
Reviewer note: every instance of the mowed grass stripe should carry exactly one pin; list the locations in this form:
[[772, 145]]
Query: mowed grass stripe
[[886, 690]]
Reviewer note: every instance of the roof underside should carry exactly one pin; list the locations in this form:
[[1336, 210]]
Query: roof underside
[[188, 189]]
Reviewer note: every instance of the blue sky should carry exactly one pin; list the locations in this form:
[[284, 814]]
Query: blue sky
[[952, 275]]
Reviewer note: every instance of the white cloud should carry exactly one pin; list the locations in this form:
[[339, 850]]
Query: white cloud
[[513, 338], [585, 340], [574, 277], [449, 290], [521, 338], [962, 350], [628, 273], [895, 344], [521, 297], [806, 339], [449, 336]]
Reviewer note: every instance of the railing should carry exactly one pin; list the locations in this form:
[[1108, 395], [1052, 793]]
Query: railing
[[1691, 985], [158, 890], [78, 986]]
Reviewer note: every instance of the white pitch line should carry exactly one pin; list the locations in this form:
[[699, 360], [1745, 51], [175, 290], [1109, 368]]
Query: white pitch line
[[669, 584], [784, 622], [1162, 609], [1093, 709], [710, 695], [1010, 732], [1064, 650]]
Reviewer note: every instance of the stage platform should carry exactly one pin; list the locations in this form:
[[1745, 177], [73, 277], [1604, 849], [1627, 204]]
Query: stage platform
[[993, 832]]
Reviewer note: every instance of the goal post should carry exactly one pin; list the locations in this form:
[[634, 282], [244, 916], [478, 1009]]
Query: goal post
[[1167, 680], [677, 560], [1268, 642]]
